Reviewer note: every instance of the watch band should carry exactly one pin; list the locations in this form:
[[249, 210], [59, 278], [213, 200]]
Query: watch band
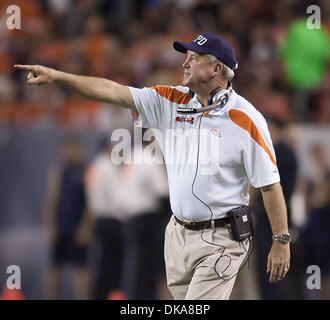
[[284, 237]]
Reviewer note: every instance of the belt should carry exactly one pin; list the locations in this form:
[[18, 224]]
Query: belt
[[201, 225]]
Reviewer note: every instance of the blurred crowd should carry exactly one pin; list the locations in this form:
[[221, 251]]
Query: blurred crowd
[[283, 65], [108, 222], [118, 213]]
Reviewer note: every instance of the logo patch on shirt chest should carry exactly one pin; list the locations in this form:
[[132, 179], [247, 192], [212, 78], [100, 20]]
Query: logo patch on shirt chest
[[185, 119], [216, 132]]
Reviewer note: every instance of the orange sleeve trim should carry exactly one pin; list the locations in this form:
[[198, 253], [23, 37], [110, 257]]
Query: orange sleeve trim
[[243, 121], [172, 94]]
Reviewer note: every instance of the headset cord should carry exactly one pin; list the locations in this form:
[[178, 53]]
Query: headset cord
[[222, 255]]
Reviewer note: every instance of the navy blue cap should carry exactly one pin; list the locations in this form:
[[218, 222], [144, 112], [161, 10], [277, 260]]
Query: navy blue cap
[[211, 44]]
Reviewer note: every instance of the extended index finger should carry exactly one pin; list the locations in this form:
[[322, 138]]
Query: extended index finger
[[24, 67]]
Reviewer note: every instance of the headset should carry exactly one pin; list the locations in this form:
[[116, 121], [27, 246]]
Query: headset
[[218, 98]]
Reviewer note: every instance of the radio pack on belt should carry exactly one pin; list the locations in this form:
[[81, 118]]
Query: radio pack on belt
[[241, 223]]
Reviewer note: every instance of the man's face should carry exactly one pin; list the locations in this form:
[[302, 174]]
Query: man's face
[[72, 152], [196, 70]]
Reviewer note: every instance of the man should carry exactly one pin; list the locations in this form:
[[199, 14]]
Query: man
[[101, 188], [201, 257], [68, 223]]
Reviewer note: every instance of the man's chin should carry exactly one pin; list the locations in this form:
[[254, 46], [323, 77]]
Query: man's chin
[[185, 82]]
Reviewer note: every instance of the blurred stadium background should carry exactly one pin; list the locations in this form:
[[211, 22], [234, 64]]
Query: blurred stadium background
[[283, 70]]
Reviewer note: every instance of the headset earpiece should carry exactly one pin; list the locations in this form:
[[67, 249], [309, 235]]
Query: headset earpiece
[[219, 97], [211, 98], [216, 99]]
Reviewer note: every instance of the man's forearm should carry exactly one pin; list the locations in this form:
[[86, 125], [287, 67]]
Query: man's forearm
[[275, 207], [278, 261], [89, 87]]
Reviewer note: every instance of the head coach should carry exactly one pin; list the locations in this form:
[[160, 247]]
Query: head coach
[[207, 238]]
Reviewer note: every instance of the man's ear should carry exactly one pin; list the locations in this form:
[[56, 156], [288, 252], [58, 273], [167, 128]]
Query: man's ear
[[217, 69]]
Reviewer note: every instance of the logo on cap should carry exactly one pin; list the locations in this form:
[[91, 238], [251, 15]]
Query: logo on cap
[[200, 40]]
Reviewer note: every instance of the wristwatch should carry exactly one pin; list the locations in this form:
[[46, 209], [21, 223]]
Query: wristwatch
[[284, 237]]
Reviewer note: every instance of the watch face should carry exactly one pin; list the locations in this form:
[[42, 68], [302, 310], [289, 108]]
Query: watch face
[[286, 238]]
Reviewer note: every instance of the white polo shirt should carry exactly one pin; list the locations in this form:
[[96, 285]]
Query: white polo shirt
[[210, 158], [102, 188]]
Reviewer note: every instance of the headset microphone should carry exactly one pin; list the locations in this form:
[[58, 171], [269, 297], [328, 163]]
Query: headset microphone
[[203, 109]]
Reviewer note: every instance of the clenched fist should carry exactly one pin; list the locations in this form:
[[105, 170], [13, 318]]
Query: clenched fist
[[37, 74]]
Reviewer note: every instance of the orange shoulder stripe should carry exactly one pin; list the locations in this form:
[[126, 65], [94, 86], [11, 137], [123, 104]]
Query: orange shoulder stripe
[[172, 94], [243, 121]]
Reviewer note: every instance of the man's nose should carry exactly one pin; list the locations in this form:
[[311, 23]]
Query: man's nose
[[185, 64]]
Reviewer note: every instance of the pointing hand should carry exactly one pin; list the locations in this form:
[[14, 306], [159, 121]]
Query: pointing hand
[[37, 74]]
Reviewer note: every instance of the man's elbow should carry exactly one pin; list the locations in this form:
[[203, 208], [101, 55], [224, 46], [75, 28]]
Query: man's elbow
[[271, 187]]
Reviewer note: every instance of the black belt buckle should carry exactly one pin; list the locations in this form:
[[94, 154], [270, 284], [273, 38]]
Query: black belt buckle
[[193, 225]]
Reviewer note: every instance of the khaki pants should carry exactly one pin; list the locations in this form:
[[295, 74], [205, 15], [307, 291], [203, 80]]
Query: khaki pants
[[190, 262]]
